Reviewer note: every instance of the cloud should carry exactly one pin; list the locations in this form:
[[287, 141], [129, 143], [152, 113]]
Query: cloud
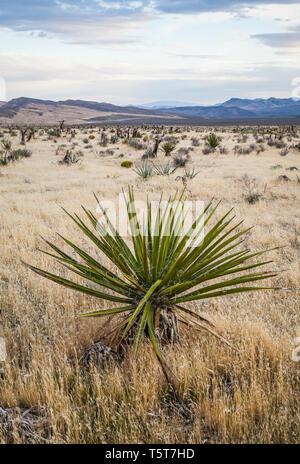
[[279, 40], [81, 21], [196, 6], [290, 39], [195, 55], [56, 16]]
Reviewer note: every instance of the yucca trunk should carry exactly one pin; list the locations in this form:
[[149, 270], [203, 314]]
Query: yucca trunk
[[167, 331]]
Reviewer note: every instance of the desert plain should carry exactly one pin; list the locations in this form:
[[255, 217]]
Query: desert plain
[[246, 396]]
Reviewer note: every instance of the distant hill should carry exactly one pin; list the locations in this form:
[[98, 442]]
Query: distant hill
[[25, 111], [165, 104], [243, 108], [211, 112], [273, 107]]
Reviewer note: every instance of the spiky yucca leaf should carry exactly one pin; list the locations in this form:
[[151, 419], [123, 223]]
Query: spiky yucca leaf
[[163, 268]]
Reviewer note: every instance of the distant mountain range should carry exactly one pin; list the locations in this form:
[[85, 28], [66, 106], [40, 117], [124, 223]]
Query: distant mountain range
[[243, 108], [165, 105], [24, 111]]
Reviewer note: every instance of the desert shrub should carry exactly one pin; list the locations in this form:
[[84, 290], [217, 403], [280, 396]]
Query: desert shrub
[[91, 137], [170, 139], [136, 144], [260, 148], [243, 139], [252, 194], [53, 133], [183, 151], [22, 153], [148, 154], [114, 139], [6, 145], [79, 154], [180, 160], [207, 151], [284, 152], [223, 150], [126, 164], [195, 142], [253, 198]]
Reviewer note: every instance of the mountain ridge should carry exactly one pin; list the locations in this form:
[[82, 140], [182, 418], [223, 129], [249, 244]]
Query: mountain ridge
[[25, 110]]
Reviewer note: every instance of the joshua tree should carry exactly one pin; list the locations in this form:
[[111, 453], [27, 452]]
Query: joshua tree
[[23, 135], [155, 149], [61, 125], [135, 132], [31, 133]]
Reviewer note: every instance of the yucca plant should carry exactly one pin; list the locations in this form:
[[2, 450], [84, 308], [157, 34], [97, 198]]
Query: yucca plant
[[160, 270], [145, 170], [213, 141], [164, 170], [191, 174], [168, 147]]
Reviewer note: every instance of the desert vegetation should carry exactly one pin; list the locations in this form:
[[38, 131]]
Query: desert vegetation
[[67, 379]]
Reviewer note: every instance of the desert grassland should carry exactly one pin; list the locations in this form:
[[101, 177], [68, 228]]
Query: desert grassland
[[249, 396]]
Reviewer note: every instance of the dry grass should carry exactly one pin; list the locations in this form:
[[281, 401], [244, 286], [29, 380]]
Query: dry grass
[[247, 397]]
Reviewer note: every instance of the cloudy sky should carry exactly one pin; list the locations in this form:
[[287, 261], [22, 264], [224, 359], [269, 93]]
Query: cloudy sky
[[137, 51]]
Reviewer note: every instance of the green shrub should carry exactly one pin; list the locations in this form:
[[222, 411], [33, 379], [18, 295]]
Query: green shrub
[[136, 144], [126, 164], [53, 132], [114, 139]]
